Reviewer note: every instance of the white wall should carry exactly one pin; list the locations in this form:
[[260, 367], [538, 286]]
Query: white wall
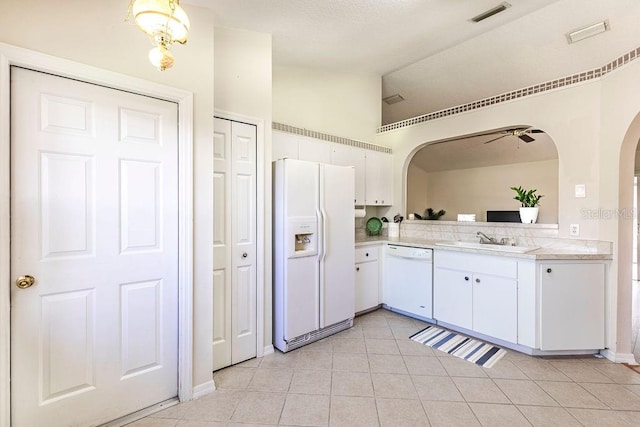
[[477, 190], [92, 32], [243, 72], [595, 127], [340, 104], [243, 87], [417, 193], [570, 116]]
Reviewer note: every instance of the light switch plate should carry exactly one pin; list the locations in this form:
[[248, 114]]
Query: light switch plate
[[581, 190]]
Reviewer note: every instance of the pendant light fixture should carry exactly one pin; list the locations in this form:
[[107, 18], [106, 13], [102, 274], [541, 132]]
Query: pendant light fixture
[[165, 22]]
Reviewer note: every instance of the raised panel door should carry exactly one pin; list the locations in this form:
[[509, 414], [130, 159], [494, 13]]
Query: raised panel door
[[222, 246], [234, 293], [94, 219]]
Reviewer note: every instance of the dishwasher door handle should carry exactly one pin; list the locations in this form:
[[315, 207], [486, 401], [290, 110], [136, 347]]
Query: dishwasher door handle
[[429, 259]]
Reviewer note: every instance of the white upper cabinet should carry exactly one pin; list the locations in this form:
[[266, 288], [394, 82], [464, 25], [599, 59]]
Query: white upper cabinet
[[341, 155], [373, 169], [345, 155], [379, 179], [358, 159], [314, 150], [284, 145]]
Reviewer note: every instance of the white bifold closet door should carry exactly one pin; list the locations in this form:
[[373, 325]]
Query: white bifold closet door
[[234, 276]]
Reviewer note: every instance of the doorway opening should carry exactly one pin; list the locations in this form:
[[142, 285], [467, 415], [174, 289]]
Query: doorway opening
[[635, 291]]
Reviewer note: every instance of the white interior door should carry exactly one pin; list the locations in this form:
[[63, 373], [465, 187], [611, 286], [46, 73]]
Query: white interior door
[[94, 219], [235, 246]]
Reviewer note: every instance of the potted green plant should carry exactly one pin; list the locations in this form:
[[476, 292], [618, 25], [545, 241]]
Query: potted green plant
[[432, 214], [530, 202]]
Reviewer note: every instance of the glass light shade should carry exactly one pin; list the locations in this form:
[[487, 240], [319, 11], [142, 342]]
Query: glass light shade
[[161, 58], [156, 19]]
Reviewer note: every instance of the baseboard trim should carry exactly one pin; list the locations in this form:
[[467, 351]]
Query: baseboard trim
[[627, 358], [204, 389], [268, 350]]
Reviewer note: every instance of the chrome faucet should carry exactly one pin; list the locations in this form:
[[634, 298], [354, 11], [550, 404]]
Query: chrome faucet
[[486, 239]]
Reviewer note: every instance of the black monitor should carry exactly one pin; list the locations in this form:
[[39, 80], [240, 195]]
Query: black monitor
[[503, 216]]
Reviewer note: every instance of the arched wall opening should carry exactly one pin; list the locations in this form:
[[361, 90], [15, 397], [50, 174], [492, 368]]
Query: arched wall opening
[[624, 294], [473, 174]]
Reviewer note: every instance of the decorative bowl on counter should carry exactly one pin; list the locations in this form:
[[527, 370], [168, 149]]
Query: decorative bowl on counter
[[374, 226]]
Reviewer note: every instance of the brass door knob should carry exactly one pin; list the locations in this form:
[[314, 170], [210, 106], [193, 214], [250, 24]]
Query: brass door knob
[[26, 281]]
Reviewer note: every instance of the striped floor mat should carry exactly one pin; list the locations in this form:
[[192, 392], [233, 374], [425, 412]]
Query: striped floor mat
[[469, 349]]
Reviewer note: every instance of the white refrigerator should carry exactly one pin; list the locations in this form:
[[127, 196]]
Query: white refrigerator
[[314, 254]]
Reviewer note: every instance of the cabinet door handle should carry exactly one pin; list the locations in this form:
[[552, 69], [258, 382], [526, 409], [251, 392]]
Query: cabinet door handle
[[357, 268], [548, 270], [367, 254], [477, 280], [466, 278]]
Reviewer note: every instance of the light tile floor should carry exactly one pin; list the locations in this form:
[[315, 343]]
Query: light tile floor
[[372, 374]]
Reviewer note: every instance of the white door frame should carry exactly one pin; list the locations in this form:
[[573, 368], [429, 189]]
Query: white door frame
[[260, 223], [11, 55]]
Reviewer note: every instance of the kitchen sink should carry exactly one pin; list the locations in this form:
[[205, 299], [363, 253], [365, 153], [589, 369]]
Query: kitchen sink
[[489, 247]]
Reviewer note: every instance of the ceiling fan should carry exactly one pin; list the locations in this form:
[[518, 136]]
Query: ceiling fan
[[522, 133]]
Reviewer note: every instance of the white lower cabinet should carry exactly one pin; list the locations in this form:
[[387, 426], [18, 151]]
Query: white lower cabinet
[[367, 278], [572, 306], [482, 298], [495, 306], [543, 305], [452, 297]]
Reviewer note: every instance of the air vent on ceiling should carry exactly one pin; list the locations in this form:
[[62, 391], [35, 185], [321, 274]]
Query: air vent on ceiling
[[393, 99], [588, 31], [489, 13]]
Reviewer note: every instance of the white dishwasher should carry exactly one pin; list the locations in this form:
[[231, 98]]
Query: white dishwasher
[[408, 280]]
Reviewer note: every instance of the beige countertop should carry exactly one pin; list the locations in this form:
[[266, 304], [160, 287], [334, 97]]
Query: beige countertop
[[543, 253]]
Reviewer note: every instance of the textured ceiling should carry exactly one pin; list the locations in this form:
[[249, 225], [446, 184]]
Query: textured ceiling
[[429, 51], [527, 51]]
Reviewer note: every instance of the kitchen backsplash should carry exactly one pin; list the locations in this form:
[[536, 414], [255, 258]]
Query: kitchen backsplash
[[543, 235]]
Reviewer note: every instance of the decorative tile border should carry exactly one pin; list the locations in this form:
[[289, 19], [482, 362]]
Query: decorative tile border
[[326, 137], [542, 87]]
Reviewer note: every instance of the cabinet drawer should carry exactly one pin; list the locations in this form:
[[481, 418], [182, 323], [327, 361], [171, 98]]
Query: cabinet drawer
[[369, 253], [478, 263]]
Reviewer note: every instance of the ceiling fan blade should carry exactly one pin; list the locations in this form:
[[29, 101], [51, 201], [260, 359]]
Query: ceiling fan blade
[[474, 136], [526, 138], [495, 139]]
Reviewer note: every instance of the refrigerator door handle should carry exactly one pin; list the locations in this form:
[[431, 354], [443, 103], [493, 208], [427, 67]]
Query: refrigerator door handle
[[322, 251]]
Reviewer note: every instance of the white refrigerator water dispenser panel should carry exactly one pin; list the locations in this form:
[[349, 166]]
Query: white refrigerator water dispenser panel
[[302, 236]]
